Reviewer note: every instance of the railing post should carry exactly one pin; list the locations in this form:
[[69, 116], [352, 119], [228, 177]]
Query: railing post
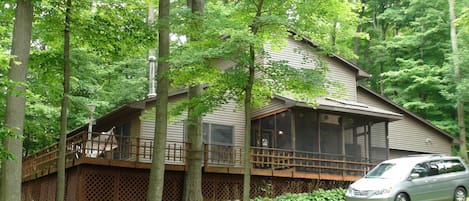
[[137, 157], [205, 156], [252, 161], [187, 149], [84, 136]]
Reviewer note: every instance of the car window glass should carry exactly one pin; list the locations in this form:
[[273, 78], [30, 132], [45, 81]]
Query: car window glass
[[381, 170], [435, 167], [421, 169], [452, 165]]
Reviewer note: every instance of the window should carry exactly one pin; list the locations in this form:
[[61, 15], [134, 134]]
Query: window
[[218, 134], [122, 133], [220, 141], [421, 169], [450, 166]]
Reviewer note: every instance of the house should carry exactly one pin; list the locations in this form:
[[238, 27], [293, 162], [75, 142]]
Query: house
[[295, 148]]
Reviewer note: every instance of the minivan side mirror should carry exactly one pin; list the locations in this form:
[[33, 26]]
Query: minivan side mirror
[[414, 176]]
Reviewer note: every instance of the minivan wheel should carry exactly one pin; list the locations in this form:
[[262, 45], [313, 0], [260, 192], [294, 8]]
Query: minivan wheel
[[402, 197], [460, 194]]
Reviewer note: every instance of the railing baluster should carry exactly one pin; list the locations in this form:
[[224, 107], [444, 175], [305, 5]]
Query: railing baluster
[[138, 149]]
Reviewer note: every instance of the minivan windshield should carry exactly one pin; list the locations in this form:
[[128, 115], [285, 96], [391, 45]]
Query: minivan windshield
[[384, 170]]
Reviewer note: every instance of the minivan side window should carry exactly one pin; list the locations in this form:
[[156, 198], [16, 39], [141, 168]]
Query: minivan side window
[[421, 169], [435, 168], [452, 165]]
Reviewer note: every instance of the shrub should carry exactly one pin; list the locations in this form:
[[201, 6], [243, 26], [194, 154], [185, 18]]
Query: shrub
[[319, 195]]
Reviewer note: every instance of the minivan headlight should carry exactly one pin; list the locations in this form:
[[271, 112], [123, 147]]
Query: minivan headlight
[[349, 191]]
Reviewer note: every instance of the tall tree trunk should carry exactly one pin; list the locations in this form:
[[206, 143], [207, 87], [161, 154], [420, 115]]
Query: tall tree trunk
[[356, 40], [193, 176], [457, 75], [247, 127], [247, 106], [334, 34], [156, 183], [61, 185], [384, 29], [15, 100]]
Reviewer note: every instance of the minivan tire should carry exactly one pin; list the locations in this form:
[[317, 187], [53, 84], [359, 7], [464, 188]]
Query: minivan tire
[[460, 194], [402, 197]]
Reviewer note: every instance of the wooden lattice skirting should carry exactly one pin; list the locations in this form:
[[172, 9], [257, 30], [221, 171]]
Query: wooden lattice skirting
[[107, 183]]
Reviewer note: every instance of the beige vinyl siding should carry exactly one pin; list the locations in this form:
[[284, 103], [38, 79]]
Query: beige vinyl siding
[[338, 73], [409, 133], [174, 136], [229, 115], [302, 55], [399, 153], [274, 105]]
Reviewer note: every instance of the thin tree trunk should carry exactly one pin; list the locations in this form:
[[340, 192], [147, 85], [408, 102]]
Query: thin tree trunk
[[15, 100], [247, 127], [156, 183], [356, 40], [384, 29], [334, 34], [457, 75], [247, 107], [193, 176], [61, 185]]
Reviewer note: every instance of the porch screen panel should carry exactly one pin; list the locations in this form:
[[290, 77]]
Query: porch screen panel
[[122, 133], [255, 133], [362, 131], [283, 130], [267, 131], [354, 138], [330, 132], [306, 128], [378, 142]]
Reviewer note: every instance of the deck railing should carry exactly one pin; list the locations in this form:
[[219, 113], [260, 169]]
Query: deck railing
[[108, 147]]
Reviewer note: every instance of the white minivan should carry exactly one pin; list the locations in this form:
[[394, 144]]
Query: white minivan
[[417, 178]]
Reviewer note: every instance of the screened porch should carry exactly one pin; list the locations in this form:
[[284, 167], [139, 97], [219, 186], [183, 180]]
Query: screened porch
[[308, 133]]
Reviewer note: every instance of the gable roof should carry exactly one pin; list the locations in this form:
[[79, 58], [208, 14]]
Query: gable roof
[[407, 112]]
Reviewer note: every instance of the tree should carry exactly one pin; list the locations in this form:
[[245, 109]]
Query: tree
[[237, 32], [457, 75], [254, 28], [100, 31], [60, 193], [156, 183], [406, 55], [14, 118], [193, 176]]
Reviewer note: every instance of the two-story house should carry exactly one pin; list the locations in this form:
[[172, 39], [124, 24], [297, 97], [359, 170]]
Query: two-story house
[[294, 147]]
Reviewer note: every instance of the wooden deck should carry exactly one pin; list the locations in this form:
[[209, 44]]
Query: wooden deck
[[130, 152]]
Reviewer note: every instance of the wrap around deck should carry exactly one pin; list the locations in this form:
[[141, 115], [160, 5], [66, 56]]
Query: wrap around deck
[[133, 152]]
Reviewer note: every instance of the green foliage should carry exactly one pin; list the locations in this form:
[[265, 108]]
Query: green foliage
[[318, 195], [226, 39], [108, 65], [409, 50], [5, 132]]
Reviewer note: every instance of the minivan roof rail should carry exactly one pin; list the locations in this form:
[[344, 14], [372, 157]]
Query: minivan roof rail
[[427, 155]]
